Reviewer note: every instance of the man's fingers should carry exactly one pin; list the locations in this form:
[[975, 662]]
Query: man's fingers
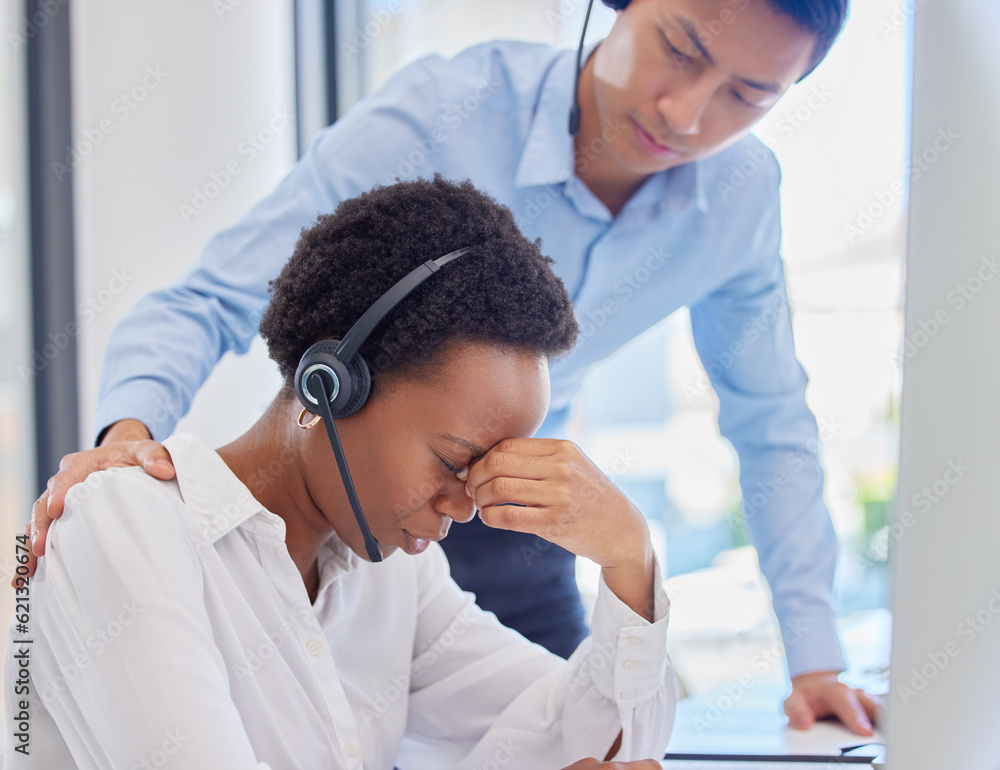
[[800, 714], [55, 493], [873, 705], [39, 527], [155, 460], [848, 709]]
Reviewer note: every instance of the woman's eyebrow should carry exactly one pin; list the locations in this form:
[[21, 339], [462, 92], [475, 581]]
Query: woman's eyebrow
[[472, 447]]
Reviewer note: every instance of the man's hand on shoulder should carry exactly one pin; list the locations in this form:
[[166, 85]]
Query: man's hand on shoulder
[[126, 443], [820, 694]]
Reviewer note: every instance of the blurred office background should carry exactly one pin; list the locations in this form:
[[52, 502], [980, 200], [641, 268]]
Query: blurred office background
[[162, 96]]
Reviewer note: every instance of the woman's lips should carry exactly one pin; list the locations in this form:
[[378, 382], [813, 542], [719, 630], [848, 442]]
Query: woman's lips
[[650, 145], [414, 545]]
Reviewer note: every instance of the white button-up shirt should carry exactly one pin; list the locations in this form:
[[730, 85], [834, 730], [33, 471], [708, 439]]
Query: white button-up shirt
[[169, 626]]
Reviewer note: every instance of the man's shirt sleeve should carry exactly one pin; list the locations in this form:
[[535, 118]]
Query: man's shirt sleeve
[[743, 334], [162, 351]]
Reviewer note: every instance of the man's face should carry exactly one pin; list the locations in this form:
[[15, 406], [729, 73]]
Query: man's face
[[679, 80]]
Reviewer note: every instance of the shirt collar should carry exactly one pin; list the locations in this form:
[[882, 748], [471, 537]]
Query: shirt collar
[[220, 503], [548, 152], [218, 500]]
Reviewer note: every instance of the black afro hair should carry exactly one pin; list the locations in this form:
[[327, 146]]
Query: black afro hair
[[502, 292]]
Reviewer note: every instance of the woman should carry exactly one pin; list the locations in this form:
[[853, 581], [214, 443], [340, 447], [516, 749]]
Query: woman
[[231, 618]]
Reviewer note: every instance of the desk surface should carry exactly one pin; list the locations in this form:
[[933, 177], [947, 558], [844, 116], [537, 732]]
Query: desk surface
[[746, 716]]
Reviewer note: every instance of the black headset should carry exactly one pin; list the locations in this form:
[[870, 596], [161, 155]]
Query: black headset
[[333, 380], [574, 112]]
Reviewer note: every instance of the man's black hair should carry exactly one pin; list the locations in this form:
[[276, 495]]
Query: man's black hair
[[502, 292], [824, 18]]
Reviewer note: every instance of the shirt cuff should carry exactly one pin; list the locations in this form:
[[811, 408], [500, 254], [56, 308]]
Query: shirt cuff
[[628, 653], [812, 644], [140, 404]]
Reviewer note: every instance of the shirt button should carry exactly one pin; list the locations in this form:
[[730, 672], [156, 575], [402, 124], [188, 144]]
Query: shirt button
[[631, 665], [314, 647], [352, 748], [634, 641], [626, 694]]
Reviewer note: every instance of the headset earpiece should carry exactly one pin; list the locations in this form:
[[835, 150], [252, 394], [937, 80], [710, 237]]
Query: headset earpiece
[[348, 383], [617, 5]]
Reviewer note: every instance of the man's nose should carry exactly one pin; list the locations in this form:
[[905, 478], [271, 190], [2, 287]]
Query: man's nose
[[684, 106]]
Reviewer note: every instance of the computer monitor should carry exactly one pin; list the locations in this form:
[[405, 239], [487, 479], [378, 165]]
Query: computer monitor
[[944, 708]]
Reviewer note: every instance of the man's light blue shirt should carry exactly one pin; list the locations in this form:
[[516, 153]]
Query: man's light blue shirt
[[705, 235]]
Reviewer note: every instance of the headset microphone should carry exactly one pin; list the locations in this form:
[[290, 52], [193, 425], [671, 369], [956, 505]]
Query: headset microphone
[[333, 380], [574, 112]]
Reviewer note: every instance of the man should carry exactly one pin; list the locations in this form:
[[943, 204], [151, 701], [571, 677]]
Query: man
[[639, 214]]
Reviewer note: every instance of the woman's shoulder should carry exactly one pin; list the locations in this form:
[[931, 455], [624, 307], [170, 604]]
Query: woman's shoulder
[[123, 503], [126, 508]]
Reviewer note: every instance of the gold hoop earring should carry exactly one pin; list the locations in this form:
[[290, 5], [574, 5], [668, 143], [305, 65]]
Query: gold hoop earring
[[311, 424]]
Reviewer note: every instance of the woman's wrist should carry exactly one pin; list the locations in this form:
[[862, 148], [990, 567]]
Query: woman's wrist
[[632, 583]]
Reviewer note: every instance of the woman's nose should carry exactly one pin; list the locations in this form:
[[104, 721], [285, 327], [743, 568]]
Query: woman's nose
[[455, 502]]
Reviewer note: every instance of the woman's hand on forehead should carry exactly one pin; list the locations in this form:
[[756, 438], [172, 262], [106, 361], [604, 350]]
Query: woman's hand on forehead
[[550, 488]]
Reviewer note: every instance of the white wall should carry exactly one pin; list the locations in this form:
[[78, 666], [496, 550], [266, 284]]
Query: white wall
[[946, 668], [221, 70]]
